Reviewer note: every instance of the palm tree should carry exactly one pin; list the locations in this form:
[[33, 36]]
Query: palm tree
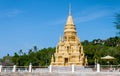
[[20, 52], [35, 48]]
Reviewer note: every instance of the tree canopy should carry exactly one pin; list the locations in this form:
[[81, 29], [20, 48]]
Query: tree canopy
[[94, 50]]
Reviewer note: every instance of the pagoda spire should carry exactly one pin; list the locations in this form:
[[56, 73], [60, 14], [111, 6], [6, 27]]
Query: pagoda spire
[[70, 20], [70, 13], [70, 29]]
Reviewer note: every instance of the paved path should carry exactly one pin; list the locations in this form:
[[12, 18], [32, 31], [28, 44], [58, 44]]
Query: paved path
[[63, 74]]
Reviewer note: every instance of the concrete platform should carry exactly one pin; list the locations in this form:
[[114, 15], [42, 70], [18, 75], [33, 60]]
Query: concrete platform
[[62, 74]]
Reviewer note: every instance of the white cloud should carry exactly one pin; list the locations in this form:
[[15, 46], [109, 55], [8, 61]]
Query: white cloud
[[91, 16], [13, 12], [10, 13], [94, 13]]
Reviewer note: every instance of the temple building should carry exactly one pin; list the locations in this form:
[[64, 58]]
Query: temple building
[[69, 49]]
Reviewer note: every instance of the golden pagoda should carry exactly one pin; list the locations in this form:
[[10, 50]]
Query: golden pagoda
[[69, 49]]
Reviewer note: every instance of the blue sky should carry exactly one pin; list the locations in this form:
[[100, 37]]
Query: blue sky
[[28, 23]]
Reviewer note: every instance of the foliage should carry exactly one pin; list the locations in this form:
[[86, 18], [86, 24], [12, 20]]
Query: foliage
[[99, 48], [94, 50]]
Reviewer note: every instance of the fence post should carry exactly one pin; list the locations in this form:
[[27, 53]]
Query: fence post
[[30, 67], [98, 67], [14, 68], [73, 68], [50, 68], [0, 68]]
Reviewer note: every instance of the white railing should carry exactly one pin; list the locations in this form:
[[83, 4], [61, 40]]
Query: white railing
[[110, 68], [14, 69], [73, 68]]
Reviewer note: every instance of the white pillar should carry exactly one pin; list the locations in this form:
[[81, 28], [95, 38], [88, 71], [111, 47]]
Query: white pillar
[[0, 68], [98, 67], [50, 68], [14, 68], [30, 67], [73, 68]]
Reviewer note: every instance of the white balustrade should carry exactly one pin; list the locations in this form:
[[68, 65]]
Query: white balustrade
[[30, 67], [73, 68], [0, 68], [14, 68], [98, 67], [50, 68]]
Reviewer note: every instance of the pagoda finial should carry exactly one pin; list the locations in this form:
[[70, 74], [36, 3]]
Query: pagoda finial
[[69, 9], [69, 20]]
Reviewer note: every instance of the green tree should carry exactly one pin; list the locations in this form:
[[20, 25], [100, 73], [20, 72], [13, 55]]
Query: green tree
[[35, 48], [15, 58], [93, 51]]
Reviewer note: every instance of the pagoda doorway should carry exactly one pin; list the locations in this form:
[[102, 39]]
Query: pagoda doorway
[[66, 61]]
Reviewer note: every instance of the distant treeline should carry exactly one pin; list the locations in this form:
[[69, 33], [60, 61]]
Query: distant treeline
[[94, 50]]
